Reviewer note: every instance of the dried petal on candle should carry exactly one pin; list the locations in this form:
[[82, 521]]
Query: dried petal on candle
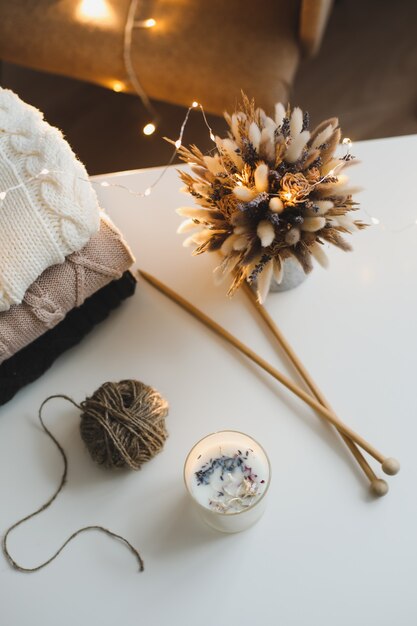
[[241, 486]]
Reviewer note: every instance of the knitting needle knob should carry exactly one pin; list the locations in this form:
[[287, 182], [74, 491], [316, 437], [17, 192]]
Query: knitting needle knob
[[390, 466], [379, 487]]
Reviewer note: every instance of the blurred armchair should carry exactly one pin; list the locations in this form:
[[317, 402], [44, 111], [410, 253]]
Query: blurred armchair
[[206, 50]]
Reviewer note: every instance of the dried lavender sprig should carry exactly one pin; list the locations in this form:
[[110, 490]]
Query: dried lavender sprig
[[227, 464]]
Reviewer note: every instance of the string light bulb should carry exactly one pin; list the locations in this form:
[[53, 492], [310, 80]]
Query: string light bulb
[[3, 195], [117, 86], [178, 144], [194, 104], [149, 129], [93, 10], [148, 23], [375, 220]]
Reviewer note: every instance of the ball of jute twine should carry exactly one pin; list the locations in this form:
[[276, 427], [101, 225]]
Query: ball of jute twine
[[128, 420], [123, 424]]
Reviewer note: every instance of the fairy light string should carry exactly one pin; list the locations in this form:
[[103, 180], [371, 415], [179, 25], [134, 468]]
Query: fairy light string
[[105, 184], [177, 145], [131, 23], [43, 172]]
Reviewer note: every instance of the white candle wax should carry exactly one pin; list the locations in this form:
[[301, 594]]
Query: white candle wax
[[227, 475]]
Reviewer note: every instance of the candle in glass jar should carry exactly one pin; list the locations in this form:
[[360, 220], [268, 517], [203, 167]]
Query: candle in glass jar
[[227, 475]]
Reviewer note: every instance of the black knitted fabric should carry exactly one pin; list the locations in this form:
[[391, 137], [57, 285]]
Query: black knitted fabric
[[32, 361]]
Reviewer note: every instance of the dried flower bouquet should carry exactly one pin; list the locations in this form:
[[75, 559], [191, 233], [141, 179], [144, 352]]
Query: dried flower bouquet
[[272, 189]]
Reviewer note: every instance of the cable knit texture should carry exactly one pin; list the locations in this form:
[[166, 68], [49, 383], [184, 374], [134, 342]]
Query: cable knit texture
[[45, 217], [30, 363], [61, 287]]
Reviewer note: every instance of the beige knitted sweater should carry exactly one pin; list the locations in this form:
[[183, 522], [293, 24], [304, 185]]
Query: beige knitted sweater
[[63, 287]]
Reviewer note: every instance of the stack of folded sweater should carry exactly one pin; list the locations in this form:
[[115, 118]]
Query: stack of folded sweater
[[63, 264]]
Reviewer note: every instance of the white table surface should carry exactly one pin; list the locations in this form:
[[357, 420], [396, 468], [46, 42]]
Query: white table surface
[[325, 553]]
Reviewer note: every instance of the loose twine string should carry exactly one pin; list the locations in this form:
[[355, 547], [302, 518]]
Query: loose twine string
[[48, 503]]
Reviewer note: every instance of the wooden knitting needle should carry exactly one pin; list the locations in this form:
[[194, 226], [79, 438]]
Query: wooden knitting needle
[[389, 465], [378, 485]]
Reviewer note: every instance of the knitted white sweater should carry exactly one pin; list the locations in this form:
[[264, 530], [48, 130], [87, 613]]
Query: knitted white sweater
[[45, 217]]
